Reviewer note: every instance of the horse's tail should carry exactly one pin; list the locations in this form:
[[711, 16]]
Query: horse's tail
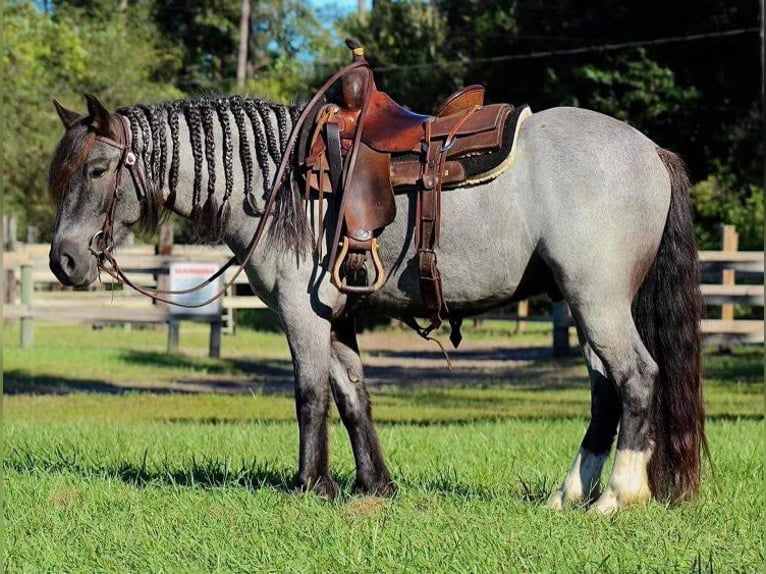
[[667, 311]]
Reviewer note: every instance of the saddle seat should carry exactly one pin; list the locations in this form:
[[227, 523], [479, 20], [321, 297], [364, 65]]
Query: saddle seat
[[391, 128]]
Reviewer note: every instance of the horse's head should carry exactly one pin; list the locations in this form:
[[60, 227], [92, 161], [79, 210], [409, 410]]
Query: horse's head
[[96, 200]]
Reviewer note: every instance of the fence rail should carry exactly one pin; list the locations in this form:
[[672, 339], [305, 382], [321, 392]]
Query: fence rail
[[36, 294]]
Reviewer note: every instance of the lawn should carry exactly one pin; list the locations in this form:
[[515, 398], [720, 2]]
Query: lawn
[[107, 469]]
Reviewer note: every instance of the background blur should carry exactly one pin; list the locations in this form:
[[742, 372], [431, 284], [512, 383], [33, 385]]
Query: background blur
[[691, 80]]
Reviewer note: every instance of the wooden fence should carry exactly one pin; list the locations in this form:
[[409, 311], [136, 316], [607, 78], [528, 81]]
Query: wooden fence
[[730, 278], [32, 292]]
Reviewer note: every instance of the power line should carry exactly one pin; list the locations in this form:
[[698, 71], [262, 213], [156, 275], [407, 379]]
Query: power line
[[571, 51]]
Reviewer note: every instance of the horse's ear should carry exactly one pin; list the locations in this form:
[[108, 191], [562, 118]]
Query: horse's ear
[[99, 115], [67, 117]]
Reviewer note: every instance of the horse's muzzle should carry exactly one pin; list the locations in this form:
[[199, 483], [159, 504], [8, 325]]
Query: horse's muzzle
[[71, 264]]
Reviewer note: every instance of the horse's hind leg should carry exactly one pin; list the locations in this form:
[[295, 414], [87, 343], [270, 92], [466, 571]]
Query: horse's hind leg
[[582, 481], [353, 402], [608, 327]]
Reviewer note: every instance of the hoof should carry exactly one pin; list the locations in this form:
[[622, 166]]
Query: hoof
[[324, 487], [606, 504], [556, 501], [610, 502], [384, 487]]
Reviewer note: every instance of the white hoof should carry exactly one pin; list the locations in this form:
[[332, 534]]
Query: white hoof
[[628, 484], [606, 504], [581, 482], [556, 501]]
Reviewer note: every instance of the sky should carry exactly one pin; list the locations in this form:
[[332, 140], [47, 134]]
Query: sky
[[342, 6]]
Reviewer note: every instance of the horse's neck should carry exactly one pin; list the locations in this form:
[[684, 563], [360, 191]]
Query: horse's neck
[[224, 149]]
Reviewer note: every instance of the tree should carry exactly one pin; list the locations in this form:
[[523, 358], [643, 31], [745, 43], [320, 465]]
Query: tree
[[410, 39], [64, 53]]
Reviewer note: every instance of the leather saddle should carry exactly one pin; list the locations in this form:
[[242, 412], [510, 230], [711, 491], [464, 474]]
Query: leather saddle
[[366, 147]]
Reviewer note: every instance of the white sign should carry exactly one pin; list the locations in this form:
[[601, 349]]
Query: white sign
[[184, 275]]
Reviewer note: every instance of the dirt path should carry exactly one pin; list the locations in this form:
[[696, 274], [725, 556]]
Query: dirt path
[[401, 358]]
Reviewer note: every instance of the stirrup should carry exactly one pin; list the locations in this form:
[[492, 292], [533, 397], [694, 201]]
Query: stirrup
[[380, 274]]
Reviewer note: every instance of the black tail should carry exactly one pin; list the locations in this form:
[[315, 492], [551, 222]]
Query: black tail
[[667, 312]]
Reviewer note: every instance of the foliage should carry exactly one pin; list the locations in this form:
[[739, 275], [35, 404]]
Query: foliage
[[698, 97], [717, 200], [283, 35], [413, 35], [634, 89], [64, 55]]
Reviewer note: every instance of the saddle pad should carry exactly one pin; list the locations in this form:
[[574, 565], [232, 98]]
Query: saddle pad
[[487, 165]]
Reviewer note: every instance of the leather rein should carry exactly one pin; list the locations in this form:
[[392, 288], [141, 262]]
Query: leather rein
[[102, 243]]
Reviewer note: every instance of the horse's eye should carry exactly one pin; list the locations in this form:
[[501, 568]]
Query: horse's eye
[[97, 172]]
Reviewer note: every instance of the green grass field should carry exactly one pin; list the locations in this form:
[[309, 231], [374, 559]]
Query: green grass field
[[107, 471]]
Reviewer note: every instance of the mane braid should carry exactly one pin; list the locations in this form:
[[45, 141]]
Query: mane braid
[[173, 110], [283, 123], [245, 159], [222, 108], [261, 144], [162, 117], [153, 157], [146, 133], [265, 111], [208, 229], [207, 127], [191, 114]]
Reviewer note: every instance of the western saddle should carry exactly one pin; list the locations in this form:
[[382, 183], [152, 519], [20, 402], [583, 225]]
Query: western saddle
[[365, 148]]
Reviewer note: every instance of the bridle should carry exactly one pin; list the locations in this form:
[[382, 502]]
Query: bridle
[[102, 242]]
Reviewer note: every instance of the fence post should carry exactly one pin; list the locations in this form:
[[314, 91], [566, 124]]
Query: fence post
[[561, 322], [214, 351], [173, 335], [27, 287], [730, 244], [522, 314], [10, 238]]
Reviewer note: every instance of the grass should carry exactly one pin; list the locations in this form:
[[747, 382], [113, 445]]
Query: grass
[[136, 481]]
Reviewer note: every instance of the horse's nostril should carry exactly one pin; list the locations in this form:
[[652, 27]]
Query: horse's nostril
[[67, 263]]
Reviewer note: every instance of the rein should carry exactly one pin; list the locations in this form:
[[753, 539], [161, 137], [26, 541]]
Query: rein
[[102, 243]]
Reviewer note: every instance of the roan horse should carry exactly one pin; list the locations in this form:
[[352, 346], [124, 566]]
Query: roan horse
[[591, 211]]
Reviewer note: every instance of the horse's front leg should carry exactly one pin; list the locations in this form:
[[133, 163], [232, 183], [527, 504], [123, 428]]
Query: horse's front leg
[[308, 336], [353, 402]]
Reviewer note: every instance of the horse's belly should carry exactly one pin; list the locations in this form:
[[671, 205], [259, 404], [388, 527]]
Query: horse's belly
[[483, 253]]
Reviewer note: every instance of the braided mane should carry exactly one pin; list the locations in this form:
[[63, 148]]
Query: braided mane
[[262, 129]]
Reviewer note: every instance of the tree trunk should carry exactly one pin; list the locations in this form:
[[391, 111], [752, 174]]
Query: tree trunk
[[244, 36]]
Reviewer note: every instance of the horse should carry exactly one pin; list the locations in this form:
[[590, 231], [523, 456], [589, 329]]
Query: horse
[[592, 212]]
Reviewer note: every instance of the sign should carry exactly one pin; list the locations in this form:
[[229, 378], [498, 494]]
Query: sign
[[185, 275]]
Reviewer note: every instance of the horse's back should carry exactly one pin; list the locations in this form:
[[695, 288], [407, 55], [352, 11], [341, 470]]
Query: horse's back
[[585, 189]]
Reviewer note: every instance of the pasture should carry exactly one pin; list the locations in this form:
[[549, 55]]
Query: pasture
[[120, 458]]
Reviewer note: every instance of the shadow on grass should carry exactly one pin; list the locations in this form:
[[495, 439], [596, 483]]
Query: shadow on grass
[[18, 382], [213, 473], [533, 491], [206, 474], [490, 354]]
